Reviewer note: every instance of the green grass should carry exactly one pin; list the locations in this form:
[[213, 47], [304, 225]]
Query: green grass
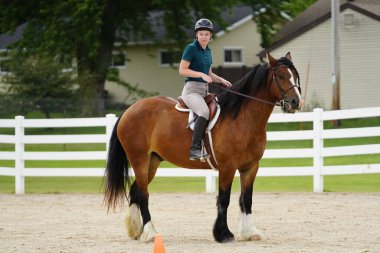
[[346, 183]]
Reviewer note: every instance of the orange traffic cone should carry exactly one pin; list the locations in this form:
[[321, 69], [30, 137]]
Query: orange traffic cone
[[158, 244]]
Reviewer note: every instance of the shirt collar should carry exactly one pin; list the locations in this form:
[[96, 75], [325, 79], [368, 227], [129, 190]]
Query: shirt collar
[[199, 46]]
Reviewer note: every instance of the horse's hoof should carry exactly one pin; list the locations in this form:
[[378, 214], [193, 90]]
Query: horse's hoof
[[256, 237], [133, 223], [253, 235], [224, 236], [247, 230], [149, 232], [228, 240]]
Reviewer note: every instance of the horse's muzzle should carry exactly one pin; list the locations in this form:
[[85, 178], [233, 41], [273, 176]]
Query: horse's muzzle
[[297, 103], [291, 106]]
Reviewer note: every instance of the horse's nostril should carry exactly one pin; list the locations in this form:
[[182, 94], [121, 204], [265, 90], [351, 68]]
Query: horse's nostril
[[294, 102]]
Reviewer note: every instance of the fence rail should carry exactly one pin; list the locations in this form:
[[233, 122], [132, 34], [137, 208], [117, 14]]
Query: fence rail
[[317, 135]]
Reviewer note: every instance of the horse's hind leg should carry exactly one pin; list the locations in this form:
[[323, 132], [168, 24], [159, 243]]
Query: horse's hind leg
[[139, 198], [247, 229], [133, 222]]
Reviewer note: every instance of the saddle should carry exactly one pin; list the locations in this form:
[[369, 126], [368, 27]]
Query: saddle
[[214, 109], [210, 101]]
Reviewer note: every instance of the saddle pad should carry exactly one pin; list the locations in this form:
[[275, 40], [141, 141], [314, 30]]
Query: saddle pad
[[211, 124]]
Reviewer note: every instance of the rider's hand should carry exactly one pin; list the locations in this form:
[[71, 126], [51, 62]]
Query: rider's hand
[[226, 83], [207, 78]]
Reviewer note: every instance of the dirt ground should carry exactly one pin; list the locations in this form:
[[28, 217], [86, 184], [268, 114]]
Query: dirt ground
[[290, 222]]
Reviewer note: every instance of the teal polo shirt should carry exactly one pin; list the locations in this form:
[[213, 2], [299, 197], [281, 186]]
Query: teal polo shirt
[[200, 59]]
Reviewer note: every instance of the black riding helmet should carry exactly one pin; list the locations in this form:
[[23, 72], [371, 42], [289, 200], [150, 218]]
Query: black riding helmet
[[203, 24]]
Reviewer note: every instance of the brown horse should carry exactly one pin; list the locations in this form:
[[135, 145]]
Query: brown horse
[[151, 131]]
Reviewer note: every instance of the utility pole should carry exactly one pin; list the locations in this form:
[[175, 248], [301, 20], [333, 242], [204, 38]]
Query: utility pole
[[335, 10]]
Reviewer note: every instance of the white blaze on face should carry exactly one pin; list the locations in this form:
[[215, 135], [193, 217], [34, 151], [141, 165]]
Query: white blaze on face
[[292, 80]]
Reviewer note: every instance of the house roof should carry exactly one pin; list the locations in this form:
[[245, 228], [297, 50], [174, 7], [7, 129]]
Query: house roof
[[319, 12], [235, 17], [7, 39]]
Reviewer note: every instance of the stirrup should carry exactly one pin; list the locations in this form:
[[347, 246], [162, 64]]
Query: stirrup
[[203, 157]]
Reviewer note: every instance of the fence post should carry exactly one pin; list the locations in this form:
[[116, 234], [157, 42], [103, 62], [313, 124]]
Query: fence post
[[210, 182], [317, 150], [19, 150], [110, 122]]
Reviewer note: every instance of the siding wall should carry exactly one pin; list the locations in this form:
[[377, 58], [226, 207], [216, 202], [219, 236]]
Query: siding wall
[[359, 55], [360, 63], [244, 36], [144, 69]]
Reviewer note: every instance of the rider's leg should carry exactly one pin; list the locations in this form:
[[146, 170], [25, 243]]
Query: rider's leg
[[198, 134], [193, 96]]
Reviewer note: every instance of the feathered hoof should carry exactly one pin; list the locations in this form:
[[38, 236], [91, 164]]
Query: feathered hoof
[[149, 232], [223, 236], [229, 240], [252, 235], [133, 223]]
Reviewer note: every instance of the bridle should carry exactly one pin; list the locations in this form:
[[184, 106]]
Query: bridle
[[283, 92], [280, 103]]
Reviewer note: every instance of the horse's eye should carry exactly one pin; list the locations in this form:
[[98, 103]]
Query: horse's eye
[[281, 76]]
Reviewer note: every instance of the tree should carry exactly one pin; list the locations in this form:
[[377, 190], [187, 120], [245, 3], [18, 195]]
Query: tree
[[270, 15], [295, 7], [87, 30], [38, 82]]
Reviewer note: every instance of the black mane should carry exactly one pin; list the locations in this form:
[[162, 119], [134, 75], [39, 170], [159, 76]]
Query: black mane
[[249, 85]]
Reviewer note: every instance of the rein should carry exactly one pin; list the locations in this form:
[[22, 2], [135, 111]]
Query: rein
[[281, 103]]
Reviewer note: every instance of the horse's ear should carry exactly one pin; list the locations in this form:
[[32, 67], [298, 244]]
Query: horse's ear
[[272, 61], [288, 56]]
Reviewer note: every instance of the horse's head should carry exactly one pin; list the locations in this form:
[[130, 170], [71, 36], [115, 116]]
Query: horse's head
[[285, 86]]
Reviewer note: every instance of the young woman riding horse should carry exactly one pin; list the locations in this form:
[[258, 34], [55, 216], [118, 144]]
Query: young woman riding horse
[[152, 130], [195, 66]]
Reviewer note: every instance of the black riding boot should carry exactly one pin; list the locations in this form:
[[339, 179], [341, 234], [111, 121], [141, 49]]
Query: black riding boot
[[198, 133]]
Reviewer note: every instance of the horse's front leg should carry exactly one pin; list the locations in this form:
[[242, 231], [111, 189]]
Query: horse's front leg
[[221, 231], [247, 229]]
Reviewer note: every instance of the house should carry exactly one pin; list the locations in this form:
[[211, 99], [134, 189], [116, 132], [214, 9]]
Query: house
[[309, 39], [234, 48]]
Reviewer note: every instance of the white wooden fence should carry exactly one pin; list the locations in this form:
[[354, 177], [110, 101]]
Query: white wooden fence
[[317, 152]]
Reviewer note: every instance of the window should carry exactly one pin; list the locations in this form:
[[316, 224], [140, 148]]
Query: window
[[118, 60], [233, 56], [349, 20], [167, 58]]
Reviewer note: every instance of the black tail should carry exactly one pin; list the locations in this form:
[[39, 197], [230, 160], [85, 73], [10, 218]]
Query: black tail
[[116, 173]]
